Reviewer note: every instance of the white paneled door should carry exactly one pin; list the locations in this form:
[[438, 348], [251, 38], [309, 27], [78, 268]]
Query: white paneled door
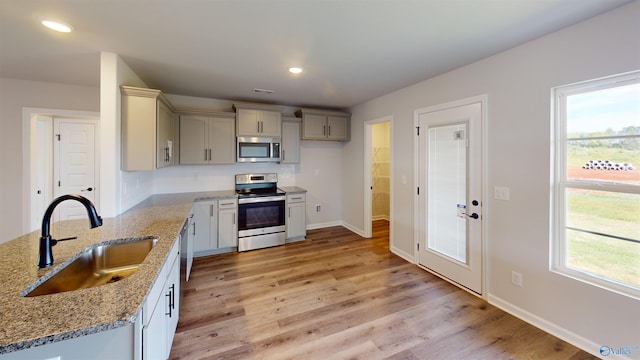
[[450, 193], [75, 165]]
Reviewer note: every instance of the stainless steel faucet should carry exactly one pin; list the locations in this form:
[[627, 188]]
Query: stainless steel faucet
[[46, 242]]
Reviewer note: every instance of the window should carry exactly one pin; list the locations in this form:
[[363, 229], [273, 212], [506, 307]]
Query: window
[[596, 182]]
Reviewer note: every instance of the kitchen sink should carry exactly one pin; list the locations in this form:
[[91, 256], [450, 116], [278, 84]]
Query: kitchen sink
[[96, 266]]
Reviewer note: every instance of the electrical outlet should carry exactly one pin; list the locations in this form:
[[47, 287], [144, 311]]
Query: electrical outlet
[[318, 208], [516, 278]]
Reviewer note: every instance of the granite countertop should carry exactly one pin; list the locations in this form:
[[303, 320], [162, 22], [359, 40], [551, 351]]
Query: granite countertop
[[292, 189], [33, 321]]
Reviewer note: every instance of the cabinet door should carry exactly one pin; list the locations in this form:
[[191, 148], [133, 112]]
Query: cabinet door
[[270, 122], [164, 156], [222, 140], [193, 140], [296, 222], [139, 121], [337, 128], [227, 228], [153, 333], [172, 304], [248, 122], [204, 220], [290, 142], [314, 127]]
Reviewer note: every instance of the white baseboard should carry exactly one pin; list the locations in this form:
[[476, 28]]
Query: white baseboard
[[323, 225], [353, 229], [408, 257], [553, 329]]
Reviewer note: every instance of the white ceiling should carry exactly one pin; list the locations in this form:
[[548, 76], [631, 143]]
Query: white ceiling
[[351, 50]]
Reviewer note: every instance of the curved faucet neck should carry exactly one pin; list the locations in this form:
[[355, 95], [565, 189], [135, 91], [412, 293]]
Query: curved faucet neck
[[46, 242], [94, 219]]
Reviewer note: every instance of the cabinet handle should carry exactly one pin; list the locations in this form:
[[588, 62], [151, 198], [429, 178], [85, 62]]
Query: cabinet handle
[[211, 210], [283, 157], [329, 132], [296, 198], [209, 154], [194, 228], [324, 130], [205, 154], [171, 296], [258, 127]]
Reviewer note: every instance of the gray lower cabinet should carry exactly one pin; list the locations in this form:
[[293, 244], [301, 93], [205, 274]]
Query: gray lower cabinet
[[215, 225], [228, 223], [296, 218], [205, 226]]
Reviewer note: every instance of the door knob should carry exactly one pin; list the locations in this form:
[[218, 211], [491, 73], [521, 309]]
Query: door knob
[[87, 189], [473, 216]]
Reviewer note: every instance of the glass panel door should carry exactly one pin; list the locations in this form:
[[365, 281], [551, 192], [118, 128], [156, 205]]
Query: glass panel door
[[447, 191]]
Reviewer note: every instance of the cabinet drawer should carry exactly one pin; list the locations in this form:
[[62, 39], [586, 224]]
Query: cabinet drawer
[[296, 198], [227, 204]]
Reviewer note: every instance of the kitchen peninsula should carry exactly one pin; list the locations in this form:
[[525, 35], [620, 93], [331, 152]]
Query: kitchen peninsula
[[33, 324]]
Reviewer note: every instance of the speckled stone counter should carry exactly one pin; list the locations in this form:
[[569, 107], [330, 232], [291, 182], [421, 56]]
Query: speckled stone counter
[[292, 189], [32, 321]]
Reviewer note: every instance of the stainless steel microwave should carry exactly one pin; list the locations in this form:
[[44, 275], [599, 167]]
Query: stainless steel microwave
[[258, 149]]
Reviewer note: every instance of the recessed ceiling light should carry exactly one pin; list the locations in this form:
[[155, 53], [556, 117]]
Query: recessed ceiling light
[[295, 70], [57, 25]]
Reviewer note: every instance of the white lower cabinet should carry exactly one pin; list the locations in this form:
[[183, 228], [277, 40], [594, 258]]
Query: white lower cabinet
[[296, 218], [149, 338], [106, 345], [215, 226], [161, 311]]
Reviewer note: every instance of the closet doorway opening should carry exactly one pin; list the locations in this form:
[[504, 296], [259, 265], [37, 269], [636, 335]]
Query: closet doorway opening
[[378, 179]]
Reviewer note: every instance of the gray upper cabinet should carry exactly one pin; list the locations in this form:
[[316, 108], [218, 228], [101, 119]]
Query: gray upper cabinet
[[207, 139], [258, 120], [290, 144], [146, 112], [324, 125]]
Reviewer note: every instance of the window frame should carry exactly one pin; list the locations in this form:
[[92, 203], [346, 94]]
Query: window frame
[[560, 183]]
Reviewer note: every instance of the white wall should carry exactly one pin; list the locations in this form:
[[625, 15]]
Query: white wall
[[518, 84], [120, 189], [14, 96]]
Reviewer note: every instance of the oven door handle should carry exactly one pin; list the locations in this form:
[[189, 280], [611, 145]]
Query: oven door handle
[[260, 199]]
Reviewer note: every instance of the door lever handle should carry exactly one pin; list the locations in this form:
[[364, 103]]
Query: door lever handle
[[87, 189], [473, 216]]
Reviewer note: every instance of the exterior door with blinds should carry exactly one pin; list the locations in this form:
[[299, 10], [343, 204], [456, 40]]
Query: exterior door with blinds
[[450, 193]]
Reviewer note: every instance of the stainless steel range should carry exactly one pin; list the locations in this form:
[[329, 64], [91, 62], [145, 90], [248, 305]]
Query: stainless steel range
[[261, 211]]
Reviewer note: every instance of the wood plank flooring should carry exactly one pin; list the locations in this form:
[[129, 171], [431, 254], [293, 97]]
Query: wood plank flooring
[[337, 295]]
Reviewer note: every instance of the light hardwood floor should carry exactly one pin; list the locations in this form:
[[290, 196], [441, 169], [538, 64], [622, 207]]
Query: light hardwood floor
[[337, 295]]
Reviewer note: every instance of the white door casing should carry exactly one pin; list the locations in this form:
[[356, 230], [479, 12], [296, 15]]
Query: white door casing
[[449, 229]]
